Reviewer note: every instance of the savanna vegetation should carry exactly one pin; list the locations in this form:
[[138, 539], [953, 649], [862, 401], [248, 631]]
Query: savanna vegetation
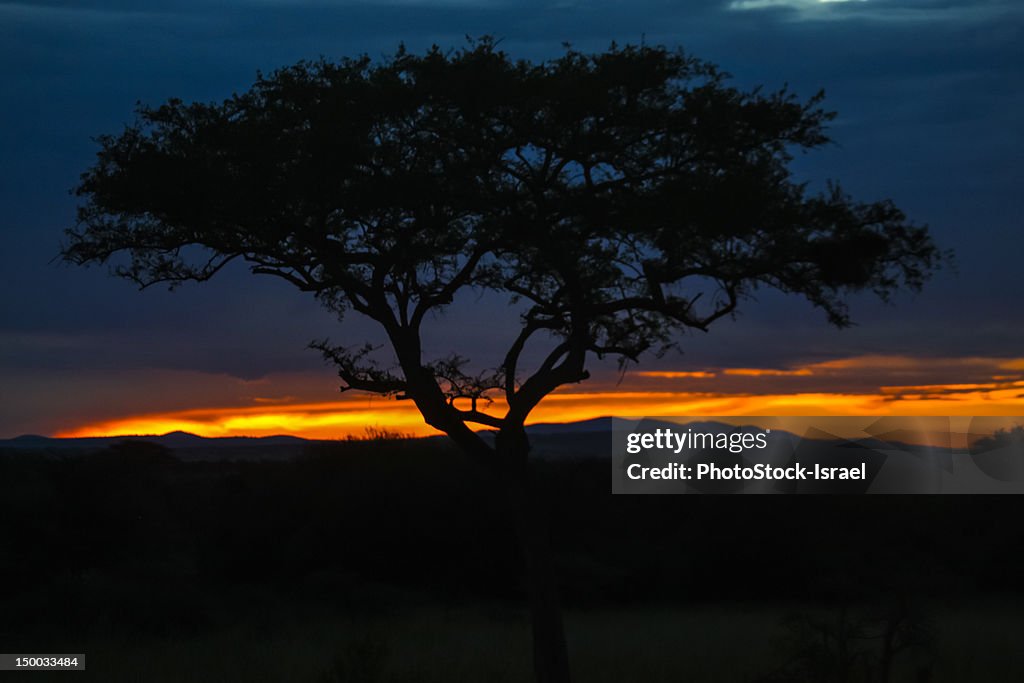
[[359, 562]]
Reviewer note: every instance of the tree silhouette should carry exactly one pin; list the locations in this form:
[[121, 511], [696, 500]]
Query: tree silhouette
[[618, 199]]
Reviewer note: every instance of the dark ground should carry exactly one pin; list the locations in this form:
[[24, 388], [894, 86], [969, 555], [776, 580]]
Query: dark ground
[[395, 560]]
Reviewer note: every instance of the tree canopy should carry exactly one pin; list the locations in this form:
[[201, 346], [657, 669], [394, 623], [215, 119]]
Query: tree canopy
[[620, 198]]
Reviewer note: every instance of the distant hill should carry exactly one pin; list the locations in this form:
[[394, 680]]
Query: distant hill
[[597, 424], [586, 438], [171, 440], [183, 445]]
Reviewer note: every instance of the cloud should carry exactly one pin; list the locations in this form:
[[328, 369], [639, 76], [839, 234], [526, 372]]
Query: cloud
[[84, 13], [800, 5], [768, 372], [902, 11], [891, 376]]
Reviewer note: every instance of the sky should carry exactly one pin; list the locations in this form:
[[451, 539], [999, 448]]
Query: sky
[[929, 95]]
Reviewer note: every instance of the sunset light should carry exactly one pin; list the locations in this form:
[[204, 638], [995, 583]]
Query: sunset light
[[667, 393]]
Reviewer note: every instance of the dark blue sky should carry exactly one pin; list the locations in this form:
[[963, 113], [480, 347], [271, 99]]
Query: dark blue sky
[[929, 95]]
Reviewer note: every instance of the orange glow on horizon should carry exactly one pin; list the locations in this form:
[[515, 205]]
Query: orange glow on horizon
[[860, 386], [341, 419]]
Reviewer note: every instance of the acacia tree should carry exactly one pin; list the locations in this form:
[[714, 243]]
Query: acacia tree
[[619, 198]]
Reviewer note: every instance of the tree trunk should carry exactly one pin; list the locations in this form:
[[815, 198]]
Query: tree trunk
[[550, 654]]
